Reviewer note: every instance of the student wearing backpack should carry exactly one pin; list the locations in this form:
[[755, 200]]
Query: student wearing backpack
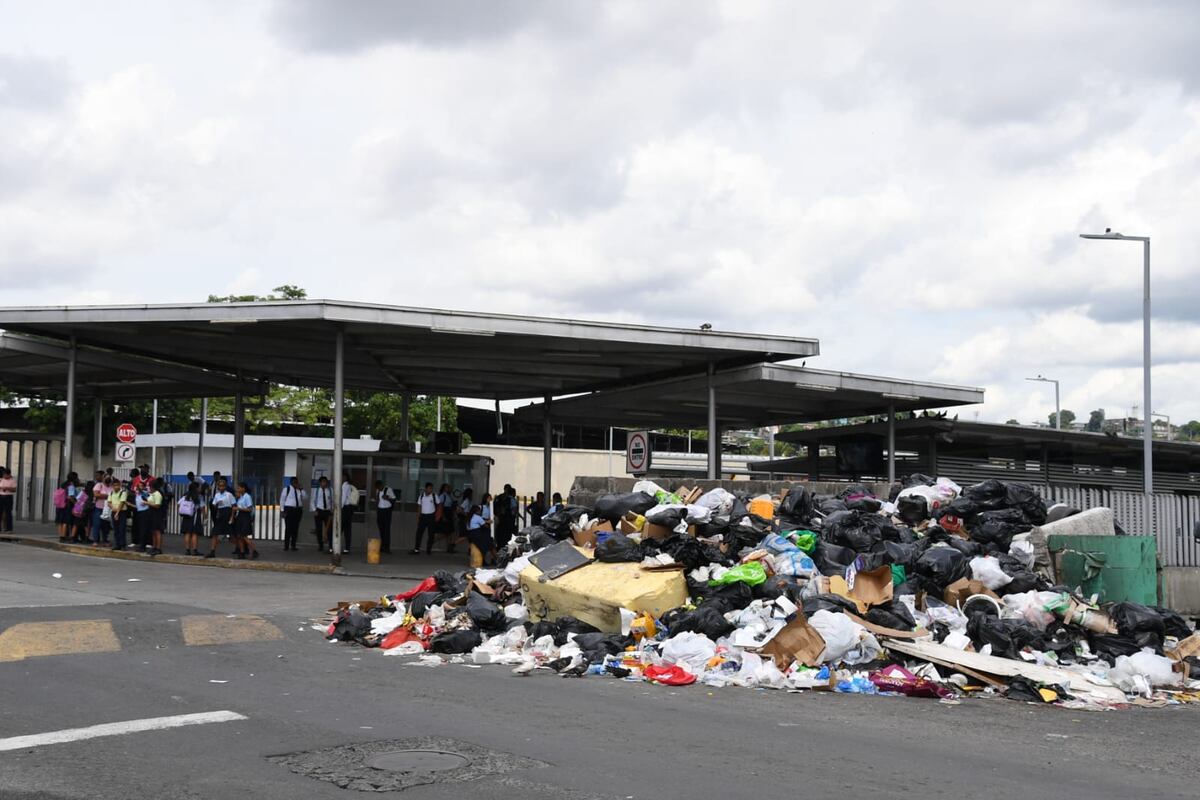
[[191, 518], [100, 512], [81, 514], [350, 497], [385, 504], [221, 508], [243, 523], [118, 507], [291, 500]]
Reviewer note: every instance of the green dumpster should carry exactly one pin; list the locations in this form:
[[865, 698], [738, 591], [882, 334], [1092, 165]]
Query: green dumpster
[[1118, 568]]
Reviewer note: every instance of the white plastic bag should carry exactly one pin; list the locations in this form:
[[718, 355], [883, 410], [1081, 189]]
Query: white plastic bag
[[691, 651], [1158, 670], [758, 671], [649, 487], [516, 611], [718, 499], [512, 572], [841, 634], [986, 569], [1022, 549]]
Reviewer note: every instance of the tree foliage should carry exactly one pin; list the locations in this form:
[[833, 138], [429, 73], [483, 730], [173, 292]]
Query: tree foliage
[[1068, 417], [1095, 422], [285, 292]]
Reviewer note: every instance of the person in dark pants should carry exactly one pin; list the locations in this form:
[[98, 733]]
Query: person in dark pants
[[426, 519], [385, 504], [349, 506], [291, 500], [504, 510], [118, 502], [8, 491], [537, 509]]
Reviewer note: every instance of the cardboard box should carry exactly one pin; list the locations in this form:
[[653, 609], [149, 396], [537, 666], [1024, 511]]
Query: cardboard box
[[871, 588], [652, 531], [797, 641], [963, 588], [631, 523], [596, 593], [588, 537]]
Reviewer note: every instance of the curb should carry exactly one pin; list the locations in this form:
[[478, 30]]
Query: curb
[[192, 561]]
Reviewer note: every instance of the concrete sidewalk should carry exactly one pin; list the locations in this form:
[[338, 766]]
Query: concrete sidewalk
[[307, 560]]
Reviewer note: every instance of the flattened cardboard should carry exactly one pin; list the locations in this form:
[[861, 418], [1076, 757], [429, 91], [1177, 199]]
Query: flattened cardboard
[[871, 588], [652, 531], [957, 593], [796, 641], [588, 537], [895, 633]]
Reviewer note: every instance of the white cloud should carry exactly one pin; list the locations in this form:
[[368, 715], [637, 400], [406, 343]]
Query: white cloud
[[905, 181]]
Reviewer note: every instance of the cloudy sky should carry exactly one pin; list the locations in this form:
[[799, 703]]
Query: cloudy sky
[[903, 180]]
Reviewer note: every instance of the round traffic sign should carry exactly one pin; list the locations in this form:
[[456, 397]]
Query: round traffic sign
[[638, 448], [126, 432]]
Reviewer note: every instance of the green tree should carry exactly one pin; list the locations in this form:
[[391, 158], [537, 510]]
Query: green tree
[[1068, 417], [1190, 431], [285, 292], [1012, 422], [381, 415], [1095, 422]]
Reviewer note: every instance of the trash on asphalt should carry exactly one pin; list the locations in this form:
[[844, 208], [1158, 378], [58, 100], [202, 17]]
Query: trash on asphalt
[[935, 592]]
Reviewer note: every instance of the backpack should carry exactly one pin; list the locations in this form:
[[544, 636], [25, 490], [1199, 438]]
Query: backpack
[[354, 495], [60, 498], [168, 492]]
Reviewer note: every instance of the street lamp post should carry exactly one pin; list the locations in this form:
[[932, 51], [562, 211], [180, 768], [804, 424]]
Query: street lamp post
[[1057, 406], [1147, 432]]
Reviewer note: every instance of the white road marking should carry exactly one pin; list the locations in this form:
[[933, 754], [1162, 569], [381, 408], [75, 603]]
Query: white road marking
[[117, 729]]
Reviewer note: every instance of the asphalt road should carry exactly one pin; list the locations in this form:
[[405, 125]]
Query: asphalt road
[[164, 645]]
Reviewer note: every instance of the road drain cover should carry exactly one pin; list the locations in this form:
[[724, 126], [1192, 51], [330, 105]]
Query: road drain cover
[[417, 761], [394, 764]]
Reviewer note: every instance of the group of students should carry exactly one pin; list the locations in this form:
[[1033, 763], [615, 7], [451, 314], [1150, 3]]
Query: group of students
[[104, 507]]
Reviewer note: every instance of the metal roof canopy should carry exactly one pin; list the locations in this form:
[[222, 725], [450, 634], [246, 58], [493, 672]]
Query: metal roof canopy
[[751, 397], [390, 348], [37, 368]]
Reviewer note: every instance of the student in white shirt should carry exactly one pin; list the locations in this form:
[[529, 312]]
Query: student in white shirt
[[479, 534], [426, 517], [291, 500], [322, 508], [243, 523], [222, 514], [385, 504]]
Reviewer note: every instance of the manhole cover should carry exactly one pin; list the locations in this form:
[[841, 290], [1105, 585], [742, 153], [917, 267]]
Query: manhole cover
[[417, 761], [390, 765]]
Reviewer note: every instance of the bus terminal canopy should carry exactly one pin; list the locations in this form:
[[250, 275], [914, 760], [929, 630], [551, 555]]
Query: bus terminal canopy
[[389, 348]]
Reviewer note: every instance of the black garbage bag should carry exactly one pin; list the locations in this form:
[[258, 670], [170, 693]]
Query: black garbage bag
[[730, 597], [894, 614], [668, 518], [706, 619], [828, 505], [1026, 691], [485, 614], [1111, 645], [569, 624], [558, 523], [936, 535], [617, 548], [990, 494], [738, 510], [897, 553], [778, 586], [459, 641], [961, 507], [865, 502], [942, 566], [858, 530], [797, 504], [1022, 581], [1134, 618], [917, 479], [828, 602], [717, 526], [912, 508], [1006, 636], [1022, 497], [351, 625], [832, 559], [910, 586], [614, 506], [596, 646], [685, 550], [449, 582], [537, 630], [1173, 623], [1060, 511], [421, 602], [998, 527]]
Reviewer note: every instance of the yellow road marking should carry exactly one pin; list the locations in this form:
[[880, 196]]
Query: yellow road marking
[[209, 629], [30, 639]]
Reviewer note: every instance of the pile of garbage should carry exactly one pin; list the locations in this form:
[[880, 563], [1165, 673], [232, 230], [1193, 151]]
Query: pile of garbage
[[936, 591]]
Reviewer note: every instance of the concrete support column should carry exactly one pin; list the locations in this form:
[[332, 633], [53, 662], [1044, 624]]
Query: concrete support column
[[714, 435], [200, 444], [97, 440], [154, 430], [547, 450], [69, 427], [339, 408], [239, 436], [891, 444]]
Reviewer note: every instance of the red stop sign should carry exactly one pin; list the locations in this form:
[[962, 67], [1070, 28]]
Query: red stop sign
[[126, 433]]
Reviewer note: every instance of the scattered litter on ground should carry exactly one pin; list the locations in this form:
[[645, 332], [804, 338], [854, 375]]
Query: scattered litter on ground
[[216, 681], [134, 580], [935, 592], [56, 575]]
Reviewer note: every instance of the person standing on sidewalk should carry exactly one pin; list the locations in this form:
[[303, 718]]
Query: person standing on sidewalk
[[100, 510], [8, 494], [243, 523], [191, 518], [349, 506], [118, 507], [322, 508], [426, 519], [291, 500], [157, 519], [385, 504], [222, 514]]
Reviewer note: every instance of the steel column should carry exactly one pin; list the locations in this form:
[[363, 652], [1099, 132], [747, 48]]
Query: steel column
[[547, 449], [891, 444], [1148, 432], [69, 442], [339, 401], [239, 436], [714, 436], [97, 441], [200, 443], [154, 430]]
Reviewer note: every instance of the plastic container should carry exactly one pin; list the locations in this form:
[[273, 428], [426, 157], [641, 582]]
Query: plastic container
[[372, 551]]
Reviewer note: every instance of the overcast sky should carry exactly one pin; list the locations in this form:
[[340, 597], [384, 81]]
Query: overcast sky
[[903, 180]]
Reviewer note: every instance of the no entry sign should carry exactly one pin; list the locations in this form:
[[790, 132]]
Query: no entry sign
[[637, 453], [126, 433]]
